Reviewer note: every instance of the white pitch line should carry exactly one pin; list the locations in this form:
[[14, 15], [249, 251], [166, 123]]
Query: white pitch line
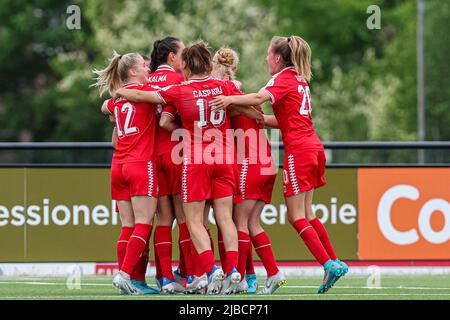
[[371, 288], [228, 297]]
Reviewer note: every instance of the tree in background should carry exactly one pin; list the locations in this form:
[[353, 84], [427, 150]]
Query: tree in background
[[364, 85]]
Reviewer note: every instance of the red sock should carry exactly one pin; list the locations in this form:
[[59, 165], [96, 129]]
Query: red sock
[[163, 248], [245, 246], [186, 266], [198, 267], [232, 258], [323, 236], [211, 241], [264, 250], [141, 266], [207, 260], [223, 259], [122, 243], [158, 269], [136, 246], [311, 239], [250, 268]]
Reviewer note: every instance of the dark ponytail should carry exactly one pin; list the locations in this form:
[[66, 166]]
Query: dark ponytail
[[161, 50]]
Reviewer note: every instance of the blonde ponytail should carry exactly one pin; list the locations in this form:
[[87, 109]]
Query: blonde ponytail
[[295, 52], [300, 56], [112, 77]]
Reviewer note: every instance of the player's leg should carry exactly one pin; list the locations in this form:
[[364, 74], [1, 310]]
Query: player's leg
[[241, 216], [127, 219], [297, 217], [223, 212], [186, 263], [200, 239], [263, 247], [322, 233]]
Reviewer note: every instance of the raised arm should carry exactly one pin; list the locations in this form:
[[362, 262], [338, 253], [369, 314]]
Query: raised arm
[[246, 100], [139, 95]]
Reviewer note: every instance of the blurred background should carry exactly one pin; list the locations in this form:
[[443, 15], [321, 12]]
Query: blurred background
[[365, 84]]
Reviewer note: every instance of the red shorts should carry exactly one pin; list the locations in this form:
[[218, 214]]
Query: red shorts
[[206, 181], [303, 171], [133, 179], [237, 197], [256, 181], [169, 175]]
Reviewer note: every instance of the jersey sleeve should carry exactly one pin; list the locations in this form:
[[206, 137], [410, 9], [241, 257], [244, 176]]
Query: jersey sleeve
[[233, 89], [149, 87], [169, 111], [276, 88], [170, 94], [110, 105]]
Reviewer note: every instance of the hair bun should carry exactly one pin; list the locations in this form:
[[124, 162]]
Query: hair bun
[[226, 57]]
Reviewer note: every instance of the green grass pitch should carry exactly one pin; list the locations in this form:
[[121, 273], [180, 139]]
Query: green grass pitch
[[297, 288]]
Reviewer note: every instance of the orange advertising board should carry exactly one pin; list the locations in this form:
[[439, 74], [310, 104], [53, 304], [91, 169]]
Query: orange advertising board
[[404, 213]]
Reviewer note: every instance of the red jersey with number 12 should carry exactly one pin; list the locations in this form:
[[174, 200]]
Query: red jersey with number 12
[[135, 123], [291, 103]]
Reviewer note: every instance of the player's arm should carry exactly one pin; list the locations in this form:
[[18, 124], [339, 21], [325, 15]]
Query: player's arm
[[168, 122], [271, 121], [246, 100], [251, 112], [114, 138], [139, 95], [104, 108]]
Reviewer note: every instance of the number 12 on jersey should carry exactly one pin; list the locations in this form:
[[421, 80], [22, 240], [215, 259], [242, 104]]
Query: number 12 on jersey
[[127, 108]]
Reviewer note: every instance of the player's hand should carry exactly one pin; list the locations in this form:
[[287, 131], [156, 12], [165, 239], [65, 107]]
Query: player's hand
[[118, 93], [260, 121], [220, 102]]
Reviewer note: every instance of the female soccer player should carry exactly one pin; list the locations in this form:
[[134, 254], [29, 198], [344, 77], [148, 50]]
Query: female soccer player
[[205, 173], [165, 71], [289, 61], [134, 180], [257, 175]]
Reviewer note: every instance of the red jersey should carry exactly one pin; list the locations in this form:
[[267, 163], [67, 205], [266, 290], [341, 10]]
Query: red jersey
[[191, 99], [291, 103], [135, 123], [254, 137], [164, 76]]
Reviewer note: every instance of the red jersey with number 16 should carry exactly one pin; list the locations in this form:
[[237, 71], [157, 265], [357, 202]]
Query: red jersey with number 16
[[135, 123], [191, 99], [291, 103]]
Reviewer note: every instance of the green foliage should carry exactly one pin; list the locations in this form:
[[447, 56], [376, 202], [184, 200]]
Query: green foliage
[[364, 85]]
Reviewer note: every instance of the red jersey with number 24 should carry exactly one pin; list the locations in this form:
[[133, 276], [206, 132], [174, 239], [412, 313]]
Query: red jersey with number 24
[[291, 103]]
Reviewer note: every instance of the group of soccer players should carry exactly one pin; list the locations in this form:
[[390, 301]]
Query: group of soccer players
[[188, 93]]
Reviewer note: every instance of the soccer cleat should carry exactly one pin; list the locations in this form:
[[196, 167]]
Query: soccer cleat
[[158, 282], [144, 287], [344, 268], [215, 278], [122, 282], [231, 282], [332, 270], [180, 278], [273, 283], [242, 287], [196, 284], [252, 283], [170, 286]]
